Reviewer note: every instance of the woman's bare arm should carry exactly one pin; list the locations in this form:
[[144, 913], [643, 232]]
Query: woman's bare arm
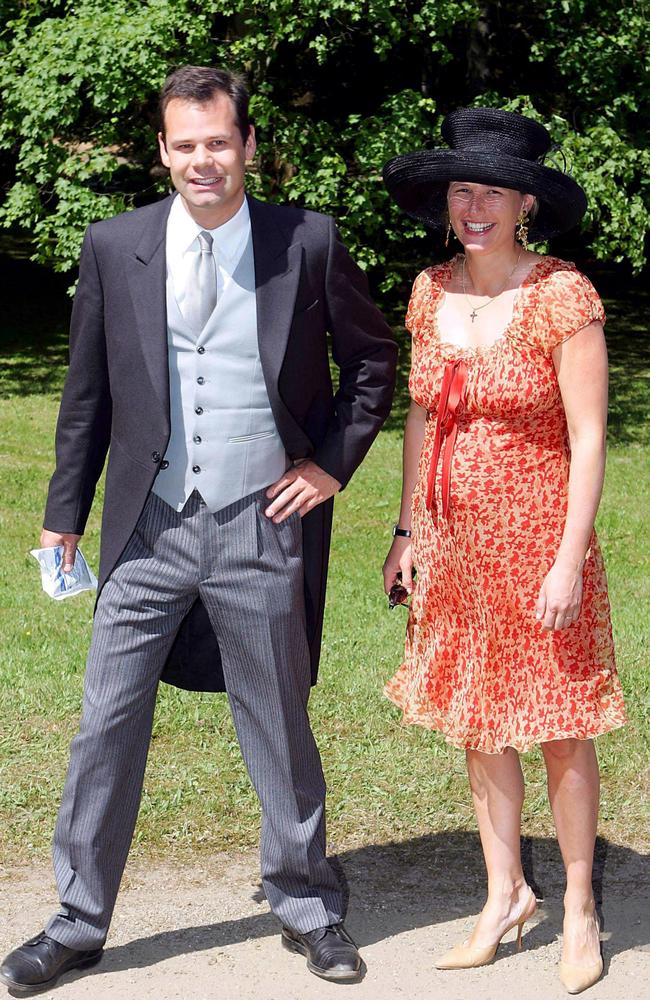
[[581, 366], [399, 558]]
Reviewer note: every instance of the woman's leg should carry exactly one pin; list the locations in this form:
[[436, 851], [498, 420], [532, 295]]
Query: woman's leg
[[573, 791], [497, 785]]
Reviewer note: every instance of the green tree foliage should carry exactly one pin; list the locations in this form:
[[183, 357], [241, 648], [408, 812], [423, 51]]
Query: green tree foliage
[[339, 87]]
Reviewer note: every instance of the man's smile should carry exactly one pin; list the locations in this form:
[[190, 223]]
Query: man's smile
[[205, 182]]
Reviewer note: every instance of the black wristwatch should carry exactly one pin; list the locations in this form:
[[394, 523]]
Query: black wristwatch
[[401, 532]]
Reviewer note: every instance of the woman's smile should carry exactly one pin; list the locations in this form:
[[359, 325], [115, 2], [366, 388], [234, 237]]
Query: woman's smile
[[479, 227]]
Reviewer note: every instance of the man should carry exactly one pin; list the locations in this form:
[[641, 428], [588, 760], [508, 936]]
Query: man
[[198, 354]]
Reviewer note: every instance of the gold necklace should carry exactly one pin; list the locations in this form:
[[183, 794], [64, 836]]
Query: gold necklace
[[476, 309]]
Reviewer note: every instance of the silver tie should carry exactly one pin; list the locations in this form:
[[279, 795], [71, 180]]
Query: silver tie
[[201, 295]]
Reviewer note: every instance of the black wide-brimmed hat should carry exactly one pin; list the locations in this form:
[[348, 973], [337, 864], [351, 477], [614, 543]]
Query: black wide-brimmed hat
[[487, 146]]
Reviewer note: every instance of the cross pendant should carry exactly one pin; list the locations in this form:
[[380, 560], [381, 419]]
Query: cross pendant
[[473, 315]]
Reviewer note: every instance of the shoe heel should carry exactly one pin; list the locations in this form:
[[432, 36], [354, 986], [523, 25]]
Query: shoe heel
[[293, 946], [91, 960], [532, 906], [520, 931]]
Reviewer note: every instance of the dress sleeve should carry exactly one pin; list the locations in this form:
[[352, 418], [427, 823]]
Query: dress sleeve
[[417, 307], [426, 290], [569, 302]]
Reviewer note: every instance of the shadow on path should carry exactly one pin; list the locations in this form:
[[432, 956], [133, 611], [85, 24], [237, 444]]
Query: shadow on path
[[399, 887]]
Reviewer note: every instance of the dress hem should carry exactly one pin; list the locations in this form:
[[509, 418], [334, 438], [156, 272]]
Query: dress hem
[[521, 746]]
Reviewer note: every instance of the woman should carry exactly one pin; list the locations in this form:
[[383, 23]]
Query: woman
[[509, 640]]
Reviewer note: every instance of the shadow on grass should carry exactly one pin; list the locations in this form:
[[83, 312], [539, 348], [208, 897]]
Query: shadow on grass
[[33, 329], [398, 887], [628, 344]]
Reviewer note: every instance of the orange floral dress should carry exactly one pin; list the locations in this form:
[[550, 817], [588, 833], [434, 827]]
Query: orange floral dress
[[478, 666]]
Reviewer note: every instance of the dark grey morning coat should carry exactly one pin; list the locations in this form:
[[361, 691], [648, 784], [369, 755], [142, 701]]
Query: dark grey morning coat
[[116, 396]]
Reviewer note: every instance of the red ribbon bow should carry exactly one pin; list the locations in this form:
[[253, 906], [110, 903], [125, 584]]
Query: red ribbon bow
[[450, 404]]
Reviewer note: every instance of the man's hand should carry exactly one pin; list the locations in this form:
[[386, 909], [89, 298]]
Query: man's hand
[[300, 489], [69, 542]]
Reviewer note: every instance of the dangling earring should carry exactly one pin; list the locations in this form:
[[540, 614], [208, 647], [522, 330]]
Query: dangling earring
[[447, 237], [521, 232]]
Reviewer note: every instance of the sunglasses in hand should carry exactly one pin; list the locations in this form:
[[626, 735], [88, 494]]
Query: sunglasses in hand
[[398, 594]]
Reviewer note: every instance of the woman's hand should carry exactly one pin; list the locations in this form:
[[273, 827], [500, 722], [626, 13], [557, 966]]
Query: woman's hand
[[399, 560], [560, 597]]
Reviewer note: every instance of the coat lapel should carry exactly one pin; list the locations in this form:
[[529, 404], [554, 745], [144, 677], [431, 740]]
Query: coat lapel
[[277, 275], [146, 275]]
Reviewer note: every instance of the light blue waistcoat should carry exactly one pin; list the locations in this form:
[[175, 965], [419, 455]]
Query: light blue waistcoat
[[224, 441]]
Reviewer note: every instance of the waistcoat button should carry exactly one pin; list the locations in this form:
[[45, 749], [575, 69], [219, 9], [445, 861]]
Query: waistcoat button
[[201, 380], [197, 439], [200, 350], [198, 410], [196, 468]]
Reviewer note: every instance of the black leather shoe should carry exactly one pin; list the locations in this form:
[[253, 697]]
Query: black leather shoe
[[38, 963], [330, 951]]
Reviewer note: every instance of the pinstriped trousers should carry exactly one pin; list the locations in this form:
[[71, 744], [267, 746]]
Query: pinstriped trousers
[[248, 572]]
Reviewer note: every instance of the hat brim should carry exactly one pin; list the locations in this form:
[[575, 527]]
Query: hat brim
[[418, 183]]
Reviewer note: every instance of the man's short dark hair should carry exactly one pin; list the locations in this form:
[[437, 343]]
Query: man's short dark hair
[[201, 84]]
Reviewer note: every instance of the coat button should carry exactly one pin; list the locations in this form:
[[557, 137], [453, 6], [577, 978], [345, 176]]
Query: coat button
[[201, 380], [155, 456], [200, 350], [197, 439], [196, 468], [198, 410], [164, 464]]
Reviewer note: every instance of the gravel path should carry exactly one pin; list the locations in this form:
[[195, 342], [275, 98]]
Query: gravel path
[[204, 932]]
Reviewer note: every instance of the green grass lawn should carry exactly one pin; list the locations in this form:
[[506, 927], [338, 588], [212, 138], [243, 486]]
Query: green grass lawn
[[386, 781]]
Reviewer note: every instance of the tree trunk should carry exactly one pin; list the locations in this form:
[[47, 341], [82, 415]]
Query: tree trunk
[[479, 73]]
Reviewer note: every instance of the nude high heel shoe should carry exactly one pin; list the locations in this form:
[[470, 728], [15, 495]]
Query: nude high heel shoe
[[469, 956], [576, 978]]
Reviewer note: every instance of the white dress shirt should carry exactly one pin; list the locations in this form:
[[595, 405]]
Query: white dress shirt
[[229, 241]]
